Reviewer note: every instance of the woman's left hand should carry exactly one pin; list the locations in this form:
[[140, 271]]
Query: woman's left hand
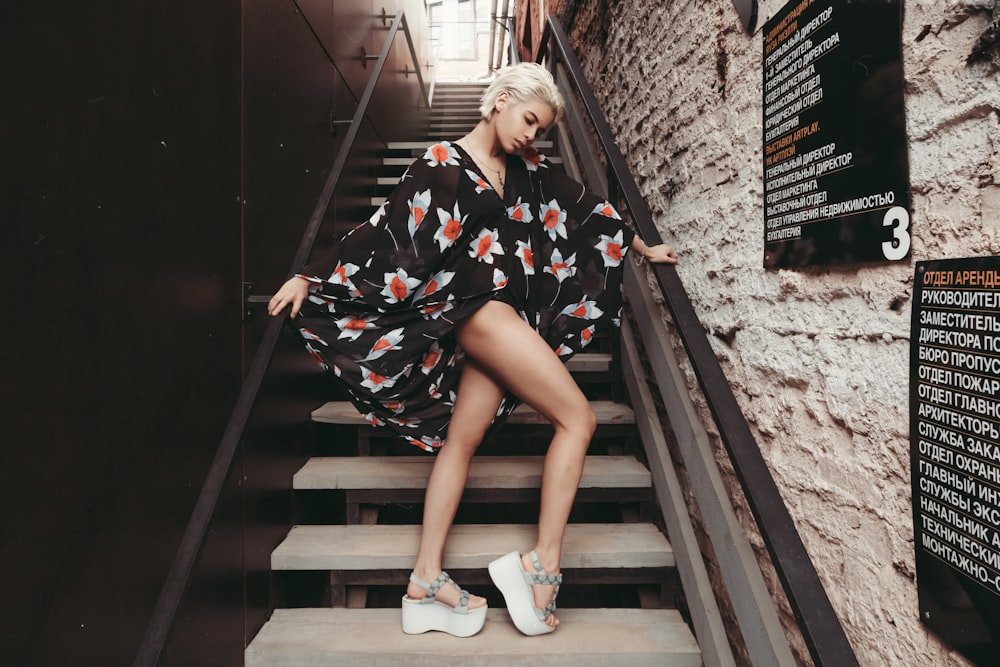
[[659, 254]]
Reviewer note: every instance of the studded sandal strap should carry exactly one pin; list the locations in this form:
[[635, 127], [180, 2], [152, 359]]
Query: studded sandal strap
[[435, 587], [542, 577]]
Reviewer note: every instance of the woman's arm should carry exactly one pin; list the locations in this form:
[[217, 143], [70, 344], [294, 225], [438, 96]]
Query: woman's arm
[[657, 254]]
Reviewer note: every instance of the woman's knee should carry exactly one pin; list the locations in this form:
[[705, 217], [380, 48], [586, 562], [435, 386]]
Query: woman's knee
[[579, 420], [463, 441]]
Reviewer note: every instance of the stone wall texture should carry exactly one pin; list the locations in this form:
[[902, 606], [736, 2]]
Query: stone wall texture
[[818, 358]]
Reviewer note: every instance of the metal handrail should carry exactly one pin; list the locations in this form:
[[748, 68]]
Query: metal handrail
[[167, 605], [817, 620]]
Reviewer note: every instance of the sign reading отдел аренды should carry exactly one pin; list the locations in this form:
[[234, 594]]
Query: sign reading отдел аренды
[[955, 447]]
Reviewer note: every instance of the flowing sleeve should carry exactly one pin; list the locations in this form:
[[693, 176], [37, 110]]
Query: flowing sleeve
[[389, 260], [580, 203]]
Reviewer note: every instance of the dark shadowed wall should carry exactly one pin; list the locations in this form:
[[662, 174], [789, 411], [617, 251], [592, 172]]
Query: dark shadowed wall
[[155, 157], [120, 339]]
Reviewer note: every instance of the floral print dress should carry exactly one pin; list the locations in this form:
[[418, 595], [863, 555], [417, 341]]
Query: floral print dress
[[384, 301]]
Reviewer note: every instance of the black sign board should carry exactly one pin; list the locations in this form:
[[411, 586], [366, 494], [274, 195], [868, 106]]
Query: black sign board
[[836, 173], [955, 451]]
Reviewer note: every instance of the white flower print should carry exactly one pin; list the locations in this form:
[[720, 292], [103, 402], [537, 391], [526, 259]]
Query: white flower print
[[486, 245], [585, 309], [520, 212], [442, 153], [451, 227], [611, 248], [481, 184], [553, 219], [527, 257], [560, 268], [352, 327], [398, 286], [389, 341]]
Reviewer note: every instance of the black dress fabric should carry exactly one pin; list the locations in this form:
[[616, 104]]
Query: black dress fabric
[[385, 300]]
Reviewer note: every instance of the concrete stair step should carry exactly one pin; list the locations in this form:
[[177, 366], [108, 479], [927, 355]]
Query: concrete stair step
[[457, 94], [372, 638], [447, 125], [609, 413], [422, 145], [617, 547], [489, 472], [405, 161]]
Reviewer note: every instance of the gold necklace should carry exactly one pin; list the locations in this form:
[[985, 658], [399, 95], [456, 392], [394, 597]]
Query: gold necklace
[[482, 164]]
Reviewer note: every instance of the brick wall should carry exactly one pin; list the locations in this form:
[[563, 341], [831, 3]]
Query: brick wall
[[818, 358]]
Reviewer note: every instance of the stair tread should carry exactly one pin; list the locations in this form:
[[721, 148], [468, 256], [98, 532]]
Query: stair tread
[[487, 472], [608, 412], [411, 145], [405, 161], [615, 546], [370, 637]]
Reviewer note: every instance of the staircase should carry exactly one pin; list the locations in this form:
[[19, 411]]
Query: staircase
[[358, 520]]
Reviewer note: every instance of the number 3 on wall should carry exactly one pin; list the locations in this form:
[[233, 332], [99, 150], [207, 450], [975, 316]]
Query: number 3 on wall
[[898, 218]]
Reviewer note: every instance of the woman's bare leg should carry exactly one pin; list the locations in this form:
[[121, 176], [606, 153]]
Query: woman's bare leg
[[476, 405], [519, 359]]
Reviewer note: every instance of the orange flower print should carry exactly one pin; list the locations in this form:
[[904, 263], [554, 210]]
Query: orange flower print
[[481, 184], [563, 350], [309, 335], [485, 246], [611, 248], [527, 257], [436, 310], [375, 382], [499, 279], [554, 219], [342, 274], [520, 212], [372, 419], [585, 309], [442, 153], [317, 357], [398, 286], [386, 343], [587, 335], [431, 443], [532, 158], [607, 210], [561, 268], [431, 358], [397, 407], [418, 210], [352, 327], [434, 285], [451, 227]]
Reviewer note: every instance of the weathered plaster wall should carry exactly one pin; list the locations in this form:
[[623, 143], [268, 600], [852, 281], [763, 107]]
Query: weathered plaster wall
[[818, 358]]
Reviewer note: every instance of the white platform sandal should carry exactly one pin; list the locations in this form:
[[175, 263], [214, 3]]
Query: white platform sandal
[[428, 613], [515, 583]]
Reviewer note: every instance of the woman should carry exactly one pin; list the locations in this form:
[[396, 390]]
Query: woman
[[443, 312]]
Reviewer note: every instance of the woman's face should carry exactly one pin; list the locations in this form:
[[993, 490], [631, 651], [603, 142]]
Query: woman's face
[[517, 124]]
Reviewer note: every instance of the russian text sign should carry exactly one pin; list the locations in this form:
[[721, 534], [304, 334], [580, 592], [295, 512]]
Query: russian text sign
[[836, 172], [955, 450]]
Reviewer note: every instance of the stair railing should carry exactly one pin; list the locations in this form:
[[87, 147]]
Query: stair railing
[[162, 619], [757, 618]]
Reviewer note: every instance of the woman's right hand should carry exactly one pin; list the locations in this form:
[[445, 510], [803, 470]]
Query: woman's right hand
[[294, 292]]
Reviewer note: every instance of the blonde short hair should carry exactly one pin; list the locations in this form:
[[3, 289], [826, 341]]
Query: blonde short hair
[[523, 82]]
